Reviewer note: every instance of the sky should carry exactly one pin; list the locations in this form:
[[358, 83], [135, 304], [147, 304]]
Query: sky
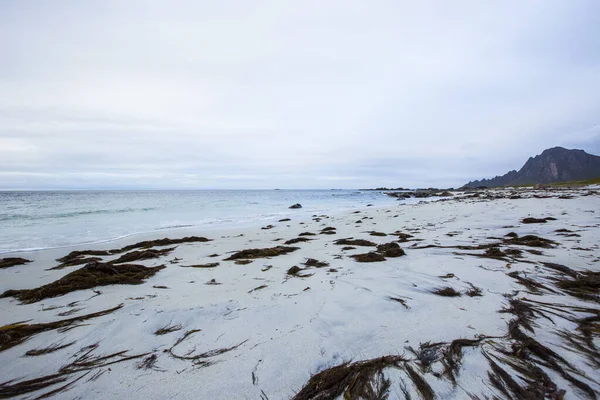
[[116, 94]]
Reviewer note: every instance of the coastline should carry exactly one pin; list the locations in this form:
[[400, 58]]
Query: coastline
[[297, 326]]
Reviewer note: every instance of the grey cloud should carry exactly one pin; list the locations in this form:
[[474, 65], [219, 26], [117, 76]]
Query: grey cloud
[[291, 94]]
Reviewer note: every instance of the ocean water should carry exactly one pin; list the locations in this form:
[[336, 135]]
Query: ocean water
[[48, 219]]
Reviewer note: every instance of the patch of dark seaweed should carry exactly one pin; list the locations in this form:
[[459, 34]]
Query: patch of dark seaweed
[[47, 350], [143, 245], [311, 262], [12, 261], [168, 329], [139, 255], [295, 272], [375, 233], [359, 380], [307, 234], [354, 242], [297, 240], [368, 257], [250, 254], [209, 265], [17, 333], [90, 276], [390, 250], [447, 292]]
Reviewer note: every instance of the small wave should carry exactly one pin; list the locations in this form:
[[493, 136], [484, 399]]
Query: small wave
[[14, 217]]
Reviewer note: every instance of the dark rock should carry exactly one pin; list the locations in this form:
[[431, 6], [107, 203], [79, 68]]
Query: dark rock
[[295, 206]]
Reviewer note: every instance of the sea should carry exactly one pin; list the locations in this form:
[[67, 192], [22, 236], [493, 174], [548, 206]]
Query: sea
[[35, 220]]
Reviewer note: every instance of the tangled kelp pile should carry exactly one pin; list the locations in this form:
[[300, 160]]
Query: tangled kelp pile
[[12, 261], [90, 276], [17, 333], [80, 257], [520, 366], [250, 254]]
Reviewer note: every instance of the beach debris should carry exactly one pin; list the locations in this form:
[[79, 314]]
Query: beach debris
[[90, 276], [168, 329], [209, 265], [285, 220], [18, 332], [149, 363], [531, 220], [297, 240], [346, 248], [375, 233], [531, 241], [307, 234], [202, 359], [212, 282], [295, 271], [47, 350], [311, 262], [160, 287], [12, 261], [295, 206], [243, 262], [84, 362], [330, 230], [261, 253], [140, 245], [368, 257], [390, 250], [447, 292], [139, 255], [354, 242], [257, 288], [268, 227], [474, 291], [400, 300]]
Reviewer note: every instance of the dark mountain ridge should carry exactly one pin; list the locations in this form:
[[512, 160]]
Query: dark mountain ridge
[[553, 165]]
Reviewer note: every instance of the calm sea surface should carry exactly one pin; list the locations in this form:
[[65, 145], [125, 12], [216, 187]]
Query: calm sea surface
[[38, 220]]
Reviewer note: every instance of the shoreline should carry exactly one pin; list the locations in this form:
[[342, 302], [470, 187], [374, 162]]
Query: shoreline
[[265, 330]]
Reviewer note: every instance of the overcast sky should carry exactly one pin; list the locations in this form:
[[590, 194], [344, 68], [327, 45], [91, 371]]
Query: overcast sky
[[291, 94]]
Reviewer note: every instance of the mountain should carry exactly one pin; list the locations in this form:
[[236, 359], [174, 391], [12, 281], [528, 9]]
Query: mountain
[[553, 165]]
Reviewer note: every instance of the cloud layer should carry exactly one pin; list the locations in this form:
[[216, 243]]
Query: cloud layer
[[234, 94]]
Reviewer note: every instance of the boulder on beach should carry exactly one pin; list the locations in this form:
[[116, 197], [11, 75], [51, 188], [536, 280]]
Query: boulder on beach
[[297, 205]]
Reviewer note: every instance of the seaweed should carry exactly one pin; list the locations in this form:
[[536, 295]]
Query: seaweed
[[369, 257], [258, 288], [375, 233], [354, 242], [297, 240], [359, 380], [17, 333], [168, 329], [199, 360], [390, 250], [209, 265], [140, 245], [90, 276], [138, 255], [311, 262], [447, 292], [47, 350], [295, 272], [261, 253], [12, 261]]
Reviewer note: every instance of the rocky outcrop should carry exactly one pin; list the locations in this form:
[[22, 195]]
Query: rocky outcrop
[[553, 165]]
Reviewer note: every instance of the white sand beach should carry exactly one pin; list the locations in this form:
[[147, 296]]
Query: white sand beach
[[256, 331]]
